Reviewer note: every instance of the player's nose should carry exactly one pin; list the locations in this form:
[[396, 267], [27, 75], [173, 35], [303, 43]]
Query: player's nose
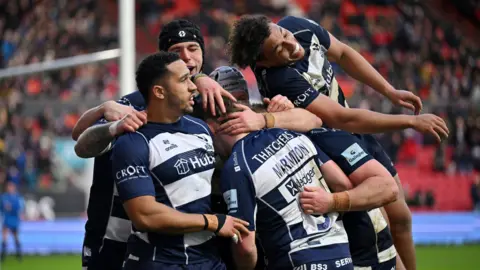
[[185, 55]]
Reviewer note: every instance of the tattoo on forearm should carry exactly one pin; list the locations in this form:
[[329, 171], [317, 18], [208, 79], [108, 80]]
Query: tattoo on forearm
[[94, 140]]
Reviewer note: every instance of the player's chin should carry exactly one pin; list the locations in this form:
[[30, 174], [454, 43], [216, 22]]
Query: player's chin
[[188, 109]]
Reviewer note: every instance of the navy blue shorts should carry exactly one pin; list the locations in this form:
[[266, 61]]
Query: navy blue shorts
[[342, 147], [376, 150], [12, 229], [338, 264], [388, 265], [132, 264]]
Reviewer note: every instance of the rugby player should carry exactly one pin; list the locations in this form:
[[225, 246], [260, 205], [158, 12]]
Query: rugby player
[[261, 186], [376, 186], [11, 206], [163, 175], [292, 58], [108, 227]]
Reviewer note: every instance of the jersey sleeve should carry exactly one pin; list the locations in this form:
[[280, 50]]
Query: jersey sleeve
[[130, 167], [295, 24], [322, 158], [239, 194], [321, 33], [288, 82]]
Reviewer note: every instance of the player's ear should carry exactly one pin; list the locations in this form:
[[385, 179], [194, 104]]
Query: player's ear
[[159, 91]]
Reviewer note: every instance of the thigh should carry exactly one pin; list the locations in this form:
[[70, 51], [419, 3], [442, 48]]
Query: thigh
[[376, 150], [342, 147]]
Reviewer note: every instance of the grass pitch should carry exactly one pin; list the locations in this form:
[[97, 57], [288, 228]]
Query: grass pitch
[[428, 258]]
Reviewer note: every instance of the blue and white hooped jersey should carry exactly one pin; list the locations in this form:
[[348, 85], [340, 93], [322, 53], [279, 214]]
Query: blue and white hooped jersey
[[261, 182], [108, 226], [175, 163], [303, 80]]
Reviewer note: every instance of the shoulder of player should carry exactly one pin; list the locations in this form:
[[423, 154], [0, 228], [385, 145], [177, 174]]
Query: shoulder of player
[[132, 140], [280, 76], [134, 99], [197, 123]]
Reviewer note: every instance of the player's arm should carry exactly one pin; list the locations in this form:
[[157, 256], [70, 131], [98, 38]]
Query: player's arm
[[295, 119], [109, 111], [130, 169], [372, 187], [358, 68], [365, 121], [239, 194], [97, 139], [290, 83]]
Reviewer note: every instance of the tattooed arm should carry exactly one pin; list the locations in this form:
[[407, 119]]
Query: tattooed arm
[[96, 140]]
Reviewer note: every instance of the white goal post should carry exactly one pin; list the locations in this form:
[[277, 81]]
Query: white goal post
[[126, 53]]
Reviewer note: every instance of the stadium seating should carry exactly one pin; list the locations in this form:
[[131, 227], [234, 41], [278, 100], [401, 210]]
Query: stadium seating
[[405, 42]]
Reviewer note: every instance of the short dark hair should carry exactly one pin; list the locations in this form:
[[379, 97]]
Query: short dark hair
[[152, 69], [247, 38]]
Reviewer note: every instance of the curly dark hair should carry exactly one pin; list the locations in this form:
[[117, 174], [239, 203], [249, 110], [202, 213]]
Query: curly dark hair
[[152, 69], [246, 40]]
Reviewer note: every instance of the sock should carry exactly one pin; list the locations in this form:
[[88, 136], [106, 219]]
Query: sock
[[4, 250], [19, 250]]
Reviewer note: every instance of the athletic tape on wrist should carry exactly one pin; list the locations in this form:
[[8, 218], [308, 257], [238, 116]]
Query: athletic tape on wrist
[[221, 221]]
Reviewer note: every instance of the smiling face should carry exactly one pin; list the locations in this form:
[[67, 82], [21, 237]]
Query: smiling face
[[191, 53], [280, 48], [178, 90]]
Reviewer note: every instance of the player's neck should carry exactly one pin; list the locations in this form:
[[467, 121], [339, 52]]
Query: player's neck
[[230, 141], [162, 114]]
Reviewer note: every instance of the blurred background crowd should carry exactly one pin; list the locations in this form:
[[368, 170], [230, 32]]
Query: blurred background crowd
[[432, 52]]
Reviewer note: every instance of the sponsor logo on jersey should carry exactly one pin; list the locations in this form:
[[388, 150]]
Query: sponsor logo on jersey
[[303, 97], [343, 262], [354, 153], [131, 172], [231, 199], [273, 148], [295, 156], [296, 184], [183, 165]]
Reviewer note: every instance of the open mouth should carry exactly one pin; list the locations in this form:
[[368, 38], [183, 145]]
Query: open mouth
[[190, 69]]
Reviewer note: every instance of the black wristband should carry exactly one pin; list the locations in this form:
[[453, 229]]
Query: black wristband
[[221, 221], [206, 222]]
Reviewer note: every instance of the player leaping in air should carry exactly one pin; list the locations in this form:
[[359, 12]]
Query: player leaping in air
[[292, 58]]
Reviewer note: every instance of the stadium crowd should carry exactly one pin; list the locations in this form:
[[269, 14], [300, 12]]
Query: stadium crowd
[[412, 50]]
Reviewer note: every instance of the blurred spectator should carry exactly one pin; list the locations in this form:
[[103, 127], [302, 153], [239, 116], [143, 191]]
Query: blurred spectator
[[413, 50], [475, 193]]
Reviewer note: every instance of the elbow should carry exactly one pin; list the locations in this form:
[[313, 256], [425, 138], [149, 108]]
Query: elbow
[[142, 223], [391, 191]]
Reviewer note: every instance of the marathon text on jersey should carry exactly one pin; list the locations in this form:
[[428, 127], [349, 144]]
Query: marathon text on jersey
[[290, 160]]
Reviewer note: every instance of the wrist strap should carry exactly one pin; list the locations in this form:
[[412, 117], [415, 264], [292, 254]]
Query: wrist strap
[[206, 222], [198, 75], [221, 221], [341, 201], [269, 120]]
